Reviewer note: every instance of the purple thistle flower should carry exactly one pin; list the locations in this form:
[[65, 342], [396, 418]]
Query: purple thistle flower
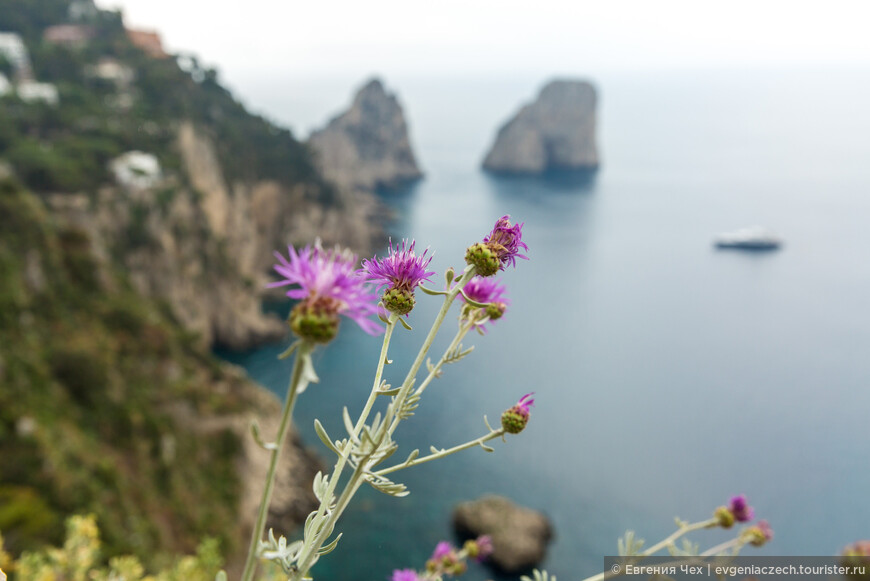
[[329, 283], [487, 291], [404, 575], [400, 269], [484, 547], [740, 509], [442, 549], [506, 240]]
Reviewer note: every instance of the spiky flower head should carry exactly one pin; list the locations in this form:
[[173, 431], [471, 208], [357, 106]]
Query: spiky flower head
[[740, 508], [501, 247], [759, 534], [404, 575], [400, 272], [485, 291], [514, 420], [479, 548], [328, 286]]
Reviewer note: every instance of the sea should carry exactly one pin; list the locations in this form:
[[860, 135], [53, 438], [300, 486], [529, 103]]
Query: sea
[[668, 375]]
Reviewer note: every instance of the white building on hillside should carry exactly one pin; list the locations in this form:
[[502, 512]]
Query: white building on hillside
[[136, 169], [31, 91], [13, 49]]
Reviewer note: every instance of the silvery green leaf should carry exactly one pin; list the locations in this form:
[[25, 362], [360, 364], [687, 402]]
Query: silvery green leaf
[[405, 323], [386, 486], [330, 547], [324, 437], [258, 438], [383, 319], [485, 447], [457, 354], [308, 373], [348, 423], [429, 291], [435, 450], [539, 576], [449, 275], [486, 421], [412, 456], [390, 392], [628, 546]]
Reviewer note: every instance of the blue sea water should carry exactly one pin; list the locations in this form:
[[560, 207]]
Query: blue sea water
[[668, 375]]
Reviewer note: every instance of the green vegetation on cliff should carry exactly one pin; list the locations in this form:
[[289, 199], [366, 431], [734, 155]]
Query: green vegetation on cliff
[[92, 378], [66, 147]]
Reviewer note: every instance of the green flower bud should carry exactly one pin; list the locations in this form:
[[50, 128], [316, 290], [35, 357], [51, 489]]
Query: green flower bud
[[495, 310], [483, 258], [514, 420], [724, 516], [398, 301], [315, 321]]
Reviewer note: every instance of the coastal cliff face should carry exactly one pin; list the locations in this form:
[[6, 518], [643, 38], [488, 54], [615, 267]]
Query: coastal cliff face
[[109, 406], [367, 147], [206, 248], [557, 131]]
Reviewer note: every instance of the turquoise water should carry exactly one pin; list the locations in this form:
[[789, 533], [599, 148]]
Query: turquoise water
[[668, 375]]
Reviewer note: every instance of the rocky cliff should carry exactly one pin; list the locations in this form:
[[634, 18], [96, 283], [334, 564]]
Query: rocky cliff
[[557, 131], [367, 147], [108, 406]]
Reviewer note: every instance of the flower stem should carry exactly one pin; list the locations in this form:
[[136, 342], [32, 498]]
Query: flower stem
[[298, 381], [669, 541], [436, 455], [399, 402], [308, 552]]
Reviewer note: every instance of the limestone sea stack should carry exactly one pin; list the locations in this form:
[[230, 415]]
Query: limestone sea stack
[[519, 535], [367, 147], [557, 131]]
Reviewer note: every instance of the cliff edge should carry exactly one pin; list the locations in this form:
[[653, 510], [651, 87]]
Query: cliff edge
[[557, 131]]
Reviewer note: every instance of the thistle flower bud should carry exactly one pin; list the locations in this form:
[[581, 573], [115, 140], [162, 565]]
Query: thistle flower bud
[[514, 420], [495, 311], [483, 258], [758, 535], [724, 517], [479, 548], [315, 320], [399, 301]]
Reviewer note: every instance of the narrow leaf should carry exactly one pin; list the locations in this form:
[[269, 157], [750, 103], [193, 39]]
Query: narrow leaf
[[258, 437], [429, 291], [324, 437]]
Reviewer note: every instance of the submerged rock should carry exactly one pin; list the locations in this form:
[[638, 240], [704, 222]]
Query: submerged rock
[[367, 146], [519, 535], [557, 131]]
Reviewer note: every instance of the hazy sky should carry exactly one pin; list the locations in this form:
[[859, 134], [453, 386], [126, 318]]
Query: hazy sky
[[251, 37]]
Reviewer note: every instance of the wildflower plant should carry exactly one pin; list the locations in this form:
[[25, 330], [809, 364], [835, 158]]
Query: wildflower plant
[[327, 286]]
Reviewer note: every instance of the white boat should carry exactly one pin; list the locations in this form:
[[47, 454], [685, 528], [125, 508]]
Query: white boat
[[753, 238]]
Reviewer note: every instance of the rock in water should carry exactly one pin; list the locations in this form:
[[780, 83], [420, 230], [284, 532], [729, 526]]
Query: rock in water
[[367, 147], [557, 131], [519, 535]]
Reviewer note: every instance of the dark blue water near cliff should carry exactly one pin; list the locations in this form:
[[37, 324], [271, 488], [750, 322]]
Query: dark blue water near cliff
[[668, 375]]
